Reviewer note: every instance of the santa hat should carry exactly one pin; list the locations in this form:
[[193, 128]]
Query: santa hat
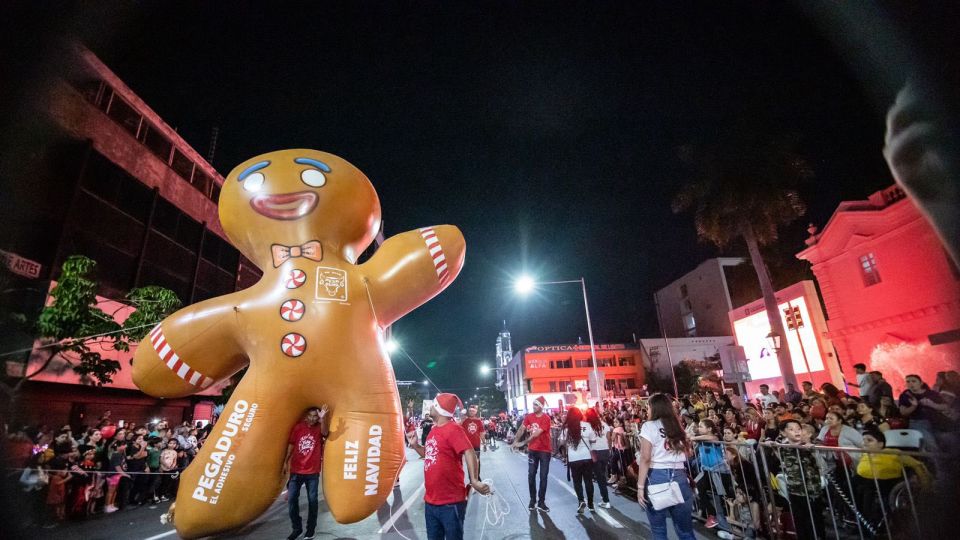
[[447, 404], [542, 401]]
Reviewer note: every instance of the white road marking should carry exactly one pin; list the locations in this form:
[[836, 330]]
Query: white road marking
[[394, 517], [174, 531], [162, 535], [604, 515]]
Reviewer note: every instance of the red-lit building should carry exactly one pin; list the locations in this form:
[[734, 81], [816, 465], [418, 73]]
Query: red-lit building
[[892, 294], [554, 370], [102, 175]]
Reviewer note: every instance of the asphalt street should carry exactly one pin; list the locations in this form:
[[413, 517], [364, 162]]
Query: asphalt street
[[402, 516]]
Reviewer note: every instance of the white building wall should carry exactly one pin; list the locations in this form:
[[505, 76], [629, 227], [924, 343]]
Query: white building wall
[[655, 357]]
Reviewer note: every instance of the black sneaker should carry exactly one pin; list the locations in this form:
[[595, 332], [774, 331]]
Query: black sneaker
[[294, 535], [542, 506], [532, 506], [581, 507], [591, 507], [308, 536]]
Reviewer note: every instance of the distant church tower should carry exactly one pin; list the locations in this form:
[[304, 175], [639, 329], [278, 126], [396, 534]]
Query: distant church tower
[[504, 353]]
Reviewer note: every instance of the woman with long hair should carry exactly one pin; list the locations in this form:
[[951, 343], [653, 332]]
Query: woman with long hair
[[663, 456], [578, 436], [602, 450]]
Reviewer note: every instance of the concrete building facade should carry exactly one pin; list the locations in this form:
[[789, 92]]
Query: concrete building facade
[[109, 179], [697, 303]]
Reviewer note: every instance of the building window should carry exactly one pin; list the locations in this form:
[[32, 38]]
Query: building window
[[627, 361], [585, 363], [868, 267], [553, 386], [690, 324]]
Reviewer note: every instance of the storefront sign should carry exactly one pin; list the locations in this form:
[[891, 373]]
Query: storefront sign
[[562, 348]]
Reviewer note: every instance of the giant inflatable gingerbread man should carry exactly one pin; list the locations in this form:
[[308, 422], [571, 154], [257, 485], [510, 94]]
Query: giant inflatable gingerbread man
[[311, 331]]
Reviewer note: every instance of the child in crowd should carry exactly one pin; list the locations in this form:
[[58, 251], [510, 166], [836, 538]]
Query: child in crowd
[[883, 471], [57, 492]]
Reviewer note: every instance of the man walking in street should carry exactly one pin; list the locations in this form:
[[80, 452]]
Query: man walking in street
[[304, 461], [473, 426], [445, 496], [539, 449]]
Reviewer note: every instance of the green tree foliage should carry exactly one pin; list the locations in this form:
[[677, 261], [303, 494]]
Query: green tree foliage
[[72, 323]]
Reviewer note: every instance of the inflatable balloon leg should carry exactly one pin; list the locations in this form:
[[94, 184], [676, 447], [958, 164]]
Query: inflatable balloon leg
[[311, 331]]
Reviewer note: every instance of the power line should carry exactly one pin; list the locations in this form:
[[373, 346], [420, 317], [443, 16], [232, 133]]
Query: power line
[[75, 340]]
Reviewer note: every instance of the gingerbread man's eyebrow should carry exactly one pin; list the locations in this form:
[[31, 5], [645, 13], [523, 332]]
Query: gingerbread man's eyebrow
[[318, 164], [252, 169]]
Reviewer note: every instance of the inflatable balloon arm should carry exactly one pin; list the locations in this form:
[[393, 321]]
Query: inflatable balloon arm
[[190, 350], [411, 268]]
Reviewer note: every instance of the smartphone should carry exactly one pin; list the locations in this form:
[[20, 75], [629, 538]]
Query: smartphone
[[119, 423]]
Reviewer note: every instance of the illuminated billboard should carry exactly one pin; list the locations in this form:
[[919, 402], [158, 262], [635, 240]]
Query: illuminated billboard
[[811, 351], [752, 334]]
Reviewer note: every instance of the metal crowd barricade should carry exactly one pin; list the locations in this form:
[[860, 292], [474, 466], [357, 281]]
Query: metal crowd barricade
[[839, 503]]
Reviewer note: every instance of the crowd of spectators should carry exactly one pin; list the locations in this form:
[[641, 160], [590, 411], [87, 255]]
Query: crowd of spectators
[[748, 449], [101, 468], [810, 485]]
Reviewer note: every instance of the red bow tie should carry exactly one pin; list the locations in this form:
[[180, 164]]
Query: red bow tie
[[311, 250]]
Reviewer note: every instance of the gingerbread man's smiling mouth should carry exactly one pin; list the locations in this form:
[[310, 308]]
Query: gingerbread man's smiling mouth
[[285, 206]]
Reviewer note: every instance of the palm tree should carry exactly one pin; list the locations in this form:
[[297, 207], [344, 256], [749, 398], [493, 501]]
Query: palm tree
[[744, 186]]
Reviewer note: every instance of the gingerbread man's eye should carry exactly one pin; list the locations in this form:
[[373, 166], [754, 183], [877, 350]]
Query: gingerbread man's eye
[[253, 182], [313, 178]]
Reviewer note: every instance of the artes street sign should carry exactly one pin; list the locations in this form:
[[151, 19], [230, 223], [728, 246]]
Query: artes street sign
[[20, 265]]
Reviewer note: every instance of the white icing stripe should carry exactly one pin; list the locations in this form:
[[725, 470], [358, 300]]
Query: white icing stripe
[[432, 241], [171, 359]]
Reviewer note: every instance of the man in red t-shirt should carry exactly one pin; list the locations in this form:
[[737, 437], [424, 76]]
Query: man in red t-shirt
[[304, 461], [539, 450], [474, 428], [445, 498]]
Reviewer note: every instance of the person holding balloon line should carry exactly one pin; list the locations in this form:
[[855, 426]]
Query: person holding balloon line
[[445, 496]]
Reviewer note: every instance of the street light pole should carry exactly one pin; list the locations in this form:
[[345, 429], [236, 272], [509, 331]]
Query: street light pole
[[527, 284], [593, 350]]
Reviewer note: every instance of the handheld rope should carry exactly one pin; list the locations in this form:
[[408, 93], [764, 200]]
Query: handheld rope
[[496, 509]]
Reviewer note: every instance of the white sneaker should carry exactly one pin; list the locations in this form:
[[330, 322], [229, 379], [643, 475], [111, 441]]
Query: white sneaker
[[725, 535], [109, 509], [604, 505]]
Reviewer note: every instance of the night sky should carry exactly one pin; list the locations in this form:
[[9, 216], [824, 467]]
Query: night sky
[[547, 132]]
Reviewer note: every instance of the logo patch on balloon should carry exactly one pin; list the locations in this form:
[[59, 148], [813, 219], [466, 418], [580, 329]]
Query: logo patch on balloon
[[292, 310], [296, 278], [331, 284], [293, 344]]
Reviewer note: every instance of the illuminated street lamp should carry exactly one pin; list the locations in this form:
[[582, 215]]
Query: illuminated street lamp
[[526, 284], [392, 346]]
